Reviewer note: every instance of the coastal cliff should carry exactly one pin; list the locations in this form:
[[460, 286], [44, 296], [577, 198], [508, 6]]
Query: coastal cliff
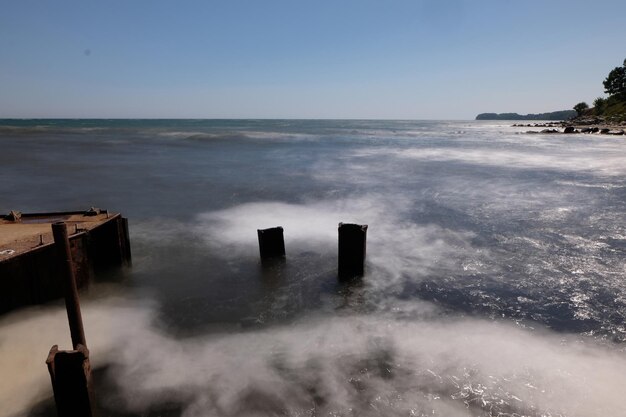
[[606, 114], [555, 115]]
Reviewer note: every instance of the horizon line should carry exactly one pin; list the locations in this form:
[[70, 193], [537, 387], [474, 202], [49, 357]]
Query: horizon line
[[232, 118]]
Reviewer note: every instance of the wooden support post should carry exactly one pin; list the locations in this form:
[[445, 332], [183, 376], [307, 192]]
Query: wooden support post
[[124, 241], [352, 243], [70, 373], [271, 243], [72, 304]]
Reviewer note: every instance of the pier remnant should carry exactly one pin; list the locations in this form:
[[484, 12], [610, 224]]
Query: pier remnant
[[70, 373], [70, 290], [29, 267], [352, 243], [271, 243]]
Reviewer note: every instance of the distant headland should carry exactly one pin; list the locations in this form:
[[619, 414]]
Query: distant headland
[[555, 115], [607, 116]]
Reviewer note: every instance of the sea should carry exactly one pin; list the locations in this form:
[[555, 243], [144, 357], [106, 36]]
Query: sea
[[494, 285]]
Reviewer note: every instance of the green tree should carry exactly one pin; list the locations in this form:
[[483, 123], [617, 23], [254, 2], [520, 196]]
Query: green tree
[[615, 82], [581, 107], [599, 105]]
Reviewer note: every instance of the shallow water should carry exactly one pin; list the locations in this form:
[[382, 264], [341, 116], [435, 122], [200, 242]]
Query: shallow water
[[495, 279]]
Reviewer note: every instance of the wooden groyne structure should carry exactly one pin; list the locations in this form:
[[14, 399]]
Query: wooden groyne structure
[[44, 256], [31, 266]]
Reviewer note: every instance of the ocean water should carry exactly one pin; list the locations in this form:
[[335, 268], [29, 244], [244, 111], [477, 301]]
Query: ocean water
[[495, 281]]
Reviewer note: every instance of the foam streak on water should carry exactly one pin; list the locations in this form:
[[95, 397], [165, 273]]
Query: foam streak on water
[[495, 284]]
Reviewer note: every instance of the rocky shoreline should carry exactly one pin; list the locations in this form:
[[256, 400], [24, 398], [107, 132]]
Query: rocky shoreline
[[596, 125]]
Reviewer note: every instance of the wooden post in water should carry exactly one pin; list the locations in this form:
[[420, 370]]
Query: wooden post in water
[[72, 304], [271, 243], [124, 241], [352, 243], [70, 373]]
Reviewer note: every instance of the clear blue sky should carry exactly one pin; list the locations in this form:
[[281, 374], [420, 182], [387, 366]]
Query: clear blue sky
[[419, 59]]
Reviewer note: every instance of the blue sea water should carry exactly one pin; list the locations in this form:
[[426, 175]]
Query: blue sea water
[[495, 282]]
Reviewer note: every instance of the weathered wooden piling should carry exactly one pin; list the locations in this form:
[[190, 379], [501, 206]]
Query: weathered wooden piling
[[70, 373], [70, 290], [352, 243], [271, 243], [124, 241]]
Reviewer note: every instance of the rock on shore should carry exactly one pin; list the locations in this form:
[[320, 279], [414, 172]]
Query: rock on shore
[[594, 125]]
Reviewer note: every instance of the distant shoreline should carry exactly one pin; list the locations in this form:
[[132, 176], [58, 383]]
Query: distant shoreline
[[555, 115]]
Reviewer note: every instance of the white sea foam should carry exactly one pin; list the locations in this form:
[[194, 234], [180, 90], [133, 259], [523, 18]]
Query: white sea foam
[[242, 134], [606, 160], [396, 248], [388, 364]]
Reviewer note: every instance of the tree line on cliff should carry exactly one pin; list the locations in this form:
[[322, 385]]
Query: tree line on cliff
[[611, 108]]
